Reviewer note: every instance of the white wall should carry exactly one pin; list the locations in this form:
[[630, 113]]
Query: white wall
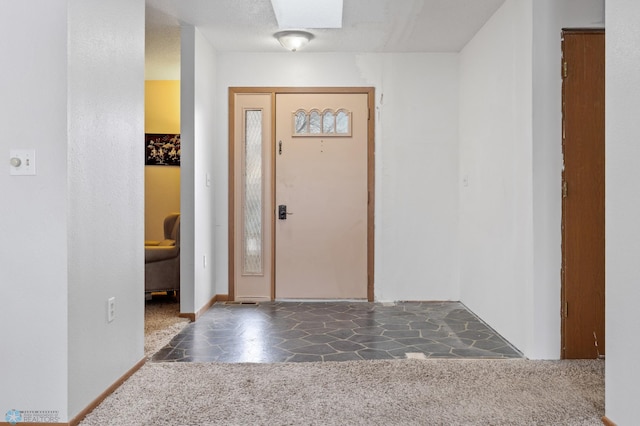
[[71, 234], [416, 158], [496, 171], [623, 209], [198, 137], [105, 201], [33, 255]]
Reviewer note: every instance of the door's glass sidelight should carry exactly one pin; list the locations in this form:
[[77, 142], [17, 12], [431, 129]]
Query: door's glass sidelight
[[252, 262]]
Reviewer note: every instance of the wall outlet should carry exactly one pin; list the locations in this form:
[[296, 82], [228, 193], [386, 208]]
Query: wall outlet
[[111, 309]]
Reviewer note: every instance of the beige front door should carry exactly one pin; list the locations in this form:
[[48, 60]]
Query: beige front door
[[321, 181], [310, 150]]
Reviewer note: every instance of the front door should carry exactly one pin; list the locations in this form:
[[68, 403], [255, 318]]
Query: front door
[[583, 215], [301, 194], [321, 195]]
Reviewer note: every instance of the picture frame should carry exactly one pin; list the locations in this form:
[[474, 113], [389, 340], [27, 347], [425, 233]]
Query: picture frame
[[162, 149]]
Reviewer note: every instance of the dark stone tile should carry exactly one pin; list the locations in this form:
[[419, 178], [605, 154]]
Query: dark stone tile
[[408, 341], [304, 358], [401, 333], [375, 331], [362, 338], [289, 334], [292, 344], [346, 346], [343, 317], [423, 325], [311, 325], [340, 324], [386, 345], [366, 322], [319, 338], [395, 327], [314, 350], [334, 331], [374, 354], [474, 335], [342, 334], [456, 342], [434, 347], [344, 356], [488, 344]]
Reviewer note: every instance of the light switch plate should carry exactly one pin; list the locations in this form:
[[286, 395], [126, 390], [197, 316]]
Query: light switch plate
[[27, 162]]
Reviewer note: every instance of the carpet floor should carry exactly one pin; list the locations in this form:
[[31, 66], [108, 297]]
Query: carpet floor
[[161, 322], [383, 392], [375, 392]]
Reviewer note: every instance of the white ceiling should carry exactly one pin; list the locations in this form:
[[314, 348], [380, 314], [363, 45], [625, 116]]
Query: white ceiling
[[368, 26]]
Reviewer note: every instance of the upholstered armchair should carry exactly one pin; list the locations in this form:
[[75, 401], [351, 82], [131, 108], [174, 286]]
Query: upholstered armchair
[[162, 259]]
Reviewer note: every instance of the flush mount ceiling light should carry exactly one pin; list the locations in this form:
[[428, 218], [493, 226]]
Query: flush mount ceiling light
[[293, 40]]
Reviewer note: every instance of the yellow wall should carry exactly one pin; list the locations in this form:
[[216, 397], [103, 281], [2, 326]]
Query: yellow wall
[[162, 183]]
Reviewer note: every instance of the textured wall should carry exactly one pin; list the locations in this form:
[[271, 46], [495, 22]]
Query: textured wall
[[623, 209], [496, 171], [106, 193], [33, 255]]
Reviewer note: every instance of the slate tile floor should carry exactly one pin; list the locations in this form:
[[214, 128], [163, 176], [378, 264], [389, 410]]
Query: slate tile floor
[[334, 331]]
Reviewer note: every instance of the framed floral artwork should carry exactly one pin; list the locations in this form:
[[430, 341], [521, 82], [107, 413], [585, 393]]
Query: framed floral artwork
[[162, 149]]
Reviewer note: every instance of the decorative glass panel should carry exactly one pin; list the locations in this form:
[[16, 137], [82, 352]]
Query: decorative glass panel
[[252, 206], [328, 122], [314, 123], [342, 122], [301, 123]]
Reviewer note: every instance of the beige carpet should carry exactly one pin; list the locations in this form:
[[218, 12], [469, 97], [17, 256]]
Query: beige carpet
[[161, 322], [397, 392]]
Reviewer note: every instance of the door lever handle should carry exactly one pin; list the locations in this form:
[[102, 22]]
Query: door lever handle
[[282, 212]]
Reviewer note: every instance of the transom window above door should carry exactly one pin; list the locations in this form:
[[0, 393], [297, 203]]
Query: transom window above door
[[326, 123]]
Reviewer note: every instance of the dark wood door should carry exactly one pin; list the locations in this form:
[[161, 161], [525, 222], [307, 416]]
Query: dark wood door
[[583, 216]]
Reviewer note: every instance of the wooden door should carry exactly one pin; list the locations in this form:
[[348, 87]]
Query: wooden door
[[583, 215], [321, 178]]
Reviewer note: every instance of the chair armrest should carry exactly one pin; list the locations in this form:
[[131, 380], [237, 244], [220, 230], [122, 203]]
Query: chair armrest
[[158, 253]]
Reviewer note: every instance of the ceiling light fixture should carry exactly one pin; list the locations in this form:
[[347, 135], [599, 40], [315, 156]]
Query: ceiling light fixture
[[293, 40]]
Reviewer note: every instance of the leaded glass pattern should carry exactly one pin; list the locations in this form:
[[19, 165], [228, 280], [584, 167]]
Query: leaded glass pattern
[[252, 262], [343, 122], [315, 127], [326, 123], [301, 123]]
